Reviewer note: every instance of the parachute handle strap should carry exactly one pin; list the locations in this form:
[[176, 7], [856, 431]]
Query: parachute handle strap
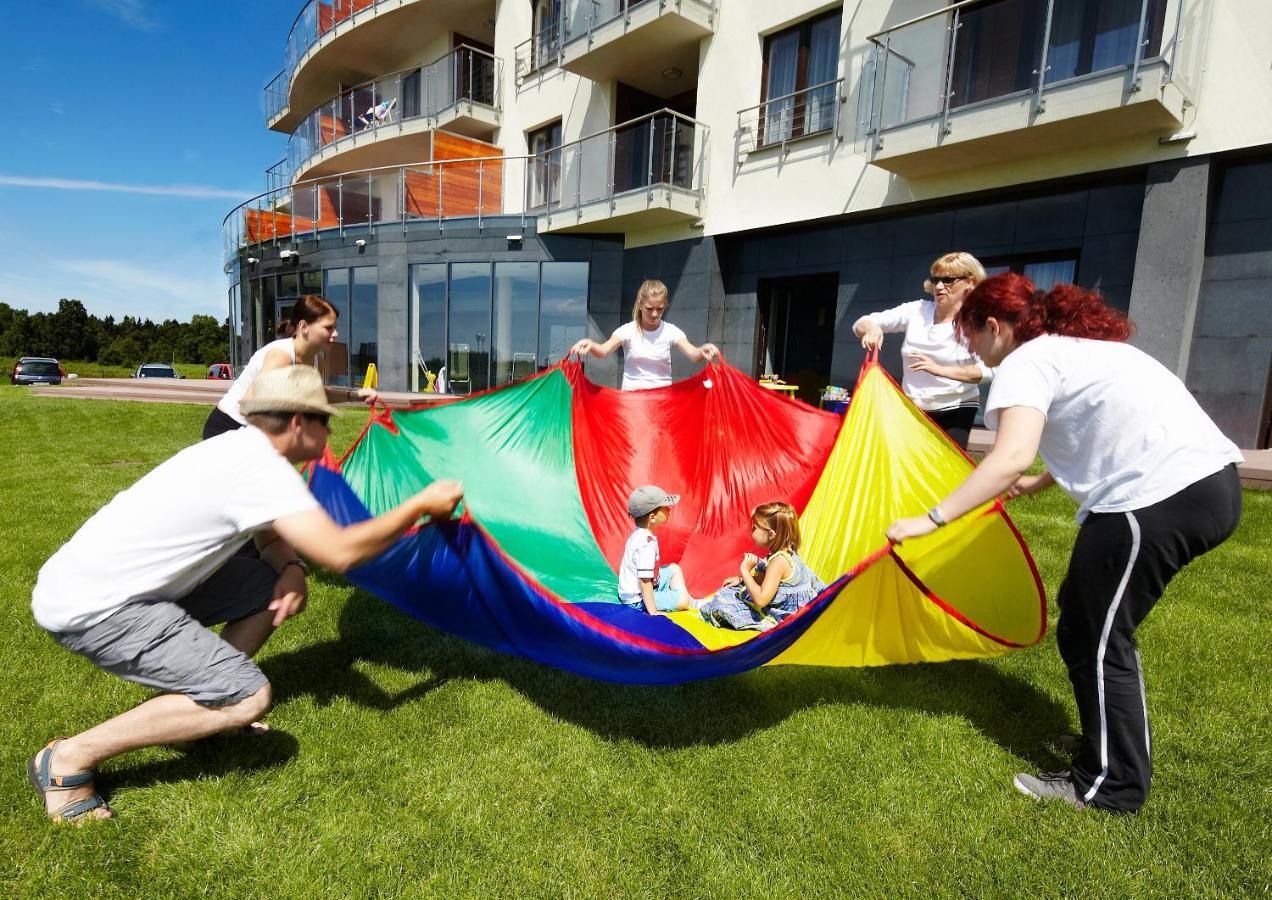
[[871, 360]]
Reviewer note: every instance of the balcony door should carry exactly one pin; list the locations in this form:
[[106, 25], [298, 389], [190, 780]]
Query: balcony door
[[475, 71], [656, 149], [800, 66], [544, 183], [795, 335]]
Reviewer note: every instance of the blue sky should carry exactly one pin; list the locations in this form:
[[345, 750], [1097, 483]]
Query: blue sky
[[134, 126]]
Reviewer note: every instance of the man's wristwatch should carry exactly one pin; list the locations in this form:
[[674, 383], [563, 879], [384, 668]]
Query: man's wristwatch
[[298, 563]]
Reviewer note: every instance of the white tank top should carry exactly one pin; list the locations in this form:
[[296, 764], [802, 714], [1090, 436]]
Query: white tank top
[[229, 404]]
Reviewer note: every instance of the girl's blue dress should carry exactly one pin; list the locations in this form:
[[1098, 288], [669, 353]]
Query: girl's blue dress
[[731, 607]]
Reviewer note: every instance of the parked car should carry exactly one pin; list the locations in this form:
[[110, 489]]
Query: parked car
[[156, 370], [223, 371], [37, 370]]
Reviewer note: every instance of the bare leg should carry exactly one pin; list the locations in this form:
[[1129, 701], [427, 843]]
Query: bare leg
[[678, 584], [249, 635], [166, 719]]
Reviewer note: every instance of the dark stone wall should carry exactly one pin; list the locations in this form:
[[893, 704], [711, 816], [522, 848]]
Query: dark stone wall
[[1230, 365], [883, 261]]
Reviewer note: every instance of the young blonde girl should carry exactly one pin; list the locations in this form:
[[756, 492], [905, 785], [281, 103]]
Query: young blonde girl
[[647, 341], [766, 591]]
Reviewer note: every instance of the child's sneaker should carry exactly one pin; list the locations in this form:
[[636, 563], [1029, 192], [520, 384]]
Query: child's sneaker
[[1049, 786]]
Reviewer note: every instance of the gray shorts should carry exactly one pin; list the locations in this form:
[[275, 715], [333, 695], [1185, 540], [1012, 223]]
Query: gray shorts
[[166, 645]]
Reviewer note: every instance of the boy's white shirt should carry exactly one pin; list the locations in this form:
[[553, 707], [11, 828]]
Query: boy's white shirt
[[640, 560]]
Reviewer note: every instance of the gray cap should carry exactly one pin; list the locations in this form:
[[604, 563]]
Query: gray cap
[[647, 498]]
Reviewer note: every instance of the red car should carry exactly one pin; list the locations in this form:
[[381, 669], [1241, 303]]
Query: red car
[[222, 371]]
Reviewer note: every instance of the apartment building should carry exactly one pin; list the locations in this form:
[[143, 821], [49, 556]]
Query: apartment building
[[478, 184]]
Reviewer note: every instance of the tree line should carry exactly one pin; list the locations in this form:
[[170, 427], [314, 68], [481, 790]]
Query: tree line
[[73, 333]]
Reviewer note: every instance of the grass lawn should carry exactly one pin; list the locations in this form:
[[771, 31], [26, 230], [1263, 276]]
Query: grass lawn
[[407, 763]]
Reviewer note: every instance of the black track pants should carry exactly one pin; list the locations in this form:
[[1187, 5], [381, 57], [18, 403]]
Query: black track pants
[[1120, 566]]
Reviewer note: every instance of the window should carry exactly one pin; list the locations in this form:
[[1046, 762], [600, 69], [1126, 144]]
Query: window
[[363, 322], [334, 363], [998, 46], [545, 42], [801, 65], [1045, 270], [428, 339], [514, 329], [467, 366], [545, 168], [475, 325]]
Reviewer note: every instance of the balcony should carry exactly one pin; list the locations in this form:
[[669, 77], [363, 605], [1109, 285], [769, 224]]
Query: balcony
[[638, 42], [425, 194], [979, 83], [640, 174], [370, 35], [781, 121], [370, 124]]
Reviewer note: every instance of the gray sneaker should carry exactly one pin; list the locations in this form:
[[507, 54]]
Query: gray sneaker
[[1049, 786]]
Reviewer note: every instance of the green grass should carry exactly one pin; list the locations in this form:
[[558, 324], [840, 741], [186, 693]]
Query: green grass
[[407, 763], [86, 369]]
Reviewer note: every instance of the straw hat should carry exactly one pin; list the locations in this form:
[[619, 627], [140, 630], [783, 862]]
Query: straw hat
[[292, 389]]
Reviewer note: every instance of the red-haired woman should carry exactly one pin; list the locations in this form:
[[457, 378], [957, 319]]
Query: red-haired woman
[[311, 329], [1156, 485]]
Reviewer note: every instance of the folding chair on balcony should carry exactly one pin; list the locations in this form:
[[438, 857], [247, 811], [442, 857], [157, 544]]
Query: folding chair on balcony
[[380, 114]]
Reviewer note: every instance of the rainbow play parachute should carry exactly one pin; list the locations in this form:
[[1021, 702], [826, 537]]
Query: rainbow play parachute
[[547, 465]]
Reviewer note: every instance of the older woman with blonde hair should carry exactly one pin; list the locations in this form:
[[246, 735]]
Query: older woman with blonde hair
[[940, 374], [647, 341]]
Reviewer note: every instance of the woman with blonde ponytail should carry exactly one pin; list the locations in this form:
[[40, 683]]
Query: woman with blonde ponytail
[[647, 341]]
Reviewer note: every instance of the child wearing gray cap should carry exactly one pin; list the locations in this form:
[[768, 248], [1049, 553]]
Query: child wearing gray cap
[[642, 582]]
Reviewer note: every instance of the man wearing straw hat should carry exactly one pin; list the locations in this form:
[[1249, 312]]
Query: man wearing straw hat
[[135, 589]]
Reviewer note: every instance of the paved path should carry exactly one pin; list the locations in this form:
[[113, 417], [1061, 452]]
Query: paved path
[[1256, 472]]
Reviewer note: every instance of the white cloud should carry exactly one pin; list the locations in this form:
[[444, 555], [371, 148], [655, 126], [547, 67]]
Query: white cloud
[[132, 13], [192, 191]]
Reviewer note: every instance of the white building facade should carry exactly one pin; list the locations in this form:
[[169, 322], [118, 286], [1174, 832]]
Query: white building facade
[[476, 184]]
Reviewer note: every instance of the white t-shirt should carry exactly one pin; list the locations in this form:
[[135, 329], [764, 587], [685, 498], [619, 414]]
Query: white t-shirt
[[229, 404], [647, 355], [163, 536], [1122, 431], [937, 342], [640, 560]]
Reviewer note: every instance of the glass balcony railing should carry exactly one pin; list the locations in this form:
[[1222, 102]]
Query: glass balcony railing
[[583, 17], [275, 97], [369, 199], [277, 176], [812, 111], [663, 150], [315, 19], [462, 79], [955, 57]]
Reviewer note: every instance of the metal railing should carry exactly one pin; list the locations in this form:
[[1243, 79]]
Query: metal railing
[[276, 99], [540, 52], [460, 80], [663, 151], [777, 121], [933, 65], [315, 19], [277, 176]]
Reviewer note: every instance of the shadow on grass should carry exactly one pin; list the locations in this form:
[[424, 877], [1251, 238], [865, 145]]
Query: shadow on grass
[[214, 756], [1006, 709]]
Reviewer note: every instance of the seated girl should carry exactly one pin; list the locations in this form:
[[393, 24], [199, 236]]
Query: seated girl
[[766, 591]]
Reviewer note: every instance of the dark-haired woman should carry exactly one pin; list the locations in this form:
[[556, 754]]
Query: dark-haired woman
[[312, 330], [1156, 486]]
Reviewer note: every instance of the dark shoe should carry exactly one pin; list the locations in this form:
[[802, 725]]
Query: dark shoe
[[1049, 786]]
